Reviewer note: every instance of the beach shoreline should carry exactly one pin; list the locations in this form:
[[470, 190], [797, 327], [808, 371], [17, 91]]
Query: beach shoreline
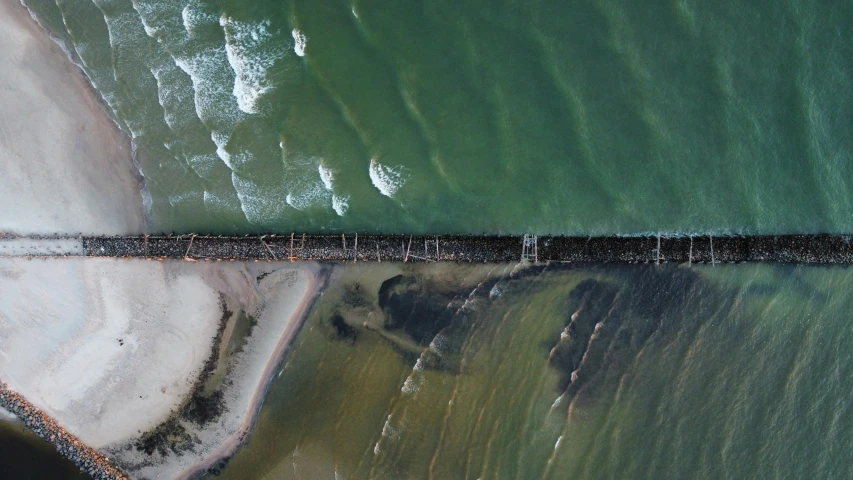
[[277, 296], [118, 348], [68, 168], [253, 409]]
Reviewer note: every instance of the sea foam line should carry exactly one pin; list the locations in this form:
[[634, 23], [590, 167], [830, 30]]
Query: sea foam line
[[251, 50], [388, 180]]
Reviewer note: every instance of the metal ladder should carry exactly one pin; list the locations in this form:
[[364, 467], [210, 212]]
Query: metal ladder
[[529, 249]]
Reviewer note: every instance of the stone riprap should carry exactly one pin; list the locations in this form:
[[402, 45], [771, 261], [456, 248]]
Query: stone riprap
[[806, 249], [71, 447]]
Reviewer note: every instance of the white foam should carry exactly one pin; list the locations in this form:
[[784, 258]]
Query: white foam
[[306, 189], [191, 196], [413, 381], [193, 17], [299, 40], [388, 180], [204, 165], [326, 176], [304, 198], [556, 402], [221, 140], [340, 205], [186, 16], [146, 10], [208, 70], [388, 431], [251, 51], [260, 205], [216, 203]]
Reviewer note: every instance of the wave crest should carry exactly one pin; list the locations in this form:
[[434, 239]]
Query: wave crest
[[388, 180], [251, 49]]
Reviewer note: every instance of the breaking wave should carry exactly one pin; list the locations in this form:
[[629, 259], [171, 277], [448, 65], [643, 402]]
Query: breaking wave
[[326, 176], [299, 40], [388, 180], [251, 49], [340, 205]]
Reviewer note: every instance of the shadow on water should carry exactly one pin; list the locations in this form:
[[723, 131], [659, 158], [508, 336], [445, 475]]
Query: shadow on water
[[476, 356], [608, 322], [24, 456]]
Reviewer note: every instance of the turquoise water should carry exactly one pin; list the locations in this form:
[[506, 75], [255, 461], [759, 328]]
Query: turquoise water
[[546, 116]]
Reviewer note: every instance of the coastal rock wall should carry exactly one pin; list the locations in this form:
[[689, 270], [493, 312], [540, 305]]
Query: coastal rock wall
[[808, 249], [89, 460]]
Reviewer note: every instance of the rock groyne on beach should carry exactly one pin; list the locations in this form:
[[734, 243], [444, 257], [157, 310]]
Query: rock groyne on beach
[[89, 460], [805, 249]]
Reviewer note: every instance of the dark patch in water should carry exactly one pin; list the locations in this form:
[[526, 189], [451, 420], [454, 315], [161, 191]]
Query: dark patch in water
[[613, 324], [342, 330], [592, 301], [410, 306]]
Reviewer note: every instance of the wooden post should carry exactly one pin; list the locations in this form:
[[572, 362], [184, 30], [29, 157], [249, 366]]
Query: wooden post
[[268, 248], [355, 253], [291, 247], [378, 256], [690, 255], [189, 246], [713, 262], [437, 256], [408, 249], [657, 260]]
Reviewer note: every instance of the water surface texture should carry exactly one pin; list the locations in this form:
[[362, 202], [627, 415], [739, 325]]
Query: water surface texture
[[618, 372], [545, 116]]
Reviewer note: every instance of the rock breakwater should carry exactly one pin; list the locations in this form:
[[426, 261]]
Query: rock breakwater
[[805, 249], [85, 457]]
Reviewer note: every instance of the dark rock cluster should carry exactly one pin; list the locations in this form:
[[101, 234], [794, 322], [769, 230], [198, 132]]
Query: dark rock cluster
[[818, 248], [89, 460]]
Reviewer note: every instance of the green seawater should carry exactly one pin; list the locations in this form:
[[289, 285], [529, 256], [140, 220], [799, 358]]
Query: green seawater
[[510, 116], [705, 373], [513, 116]]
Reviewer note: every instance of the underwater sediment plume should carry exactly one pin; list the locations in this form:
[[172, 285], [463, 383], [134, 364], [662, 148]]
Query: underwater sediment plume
[[89, 460]]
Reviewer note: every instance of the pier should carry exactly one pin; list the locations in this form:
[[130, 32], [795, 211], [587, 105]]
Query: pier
[[704, 249]]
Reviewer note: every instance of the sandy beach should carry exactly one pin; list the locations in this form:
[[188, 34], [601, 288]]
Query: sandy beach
[[112, 348], [67, 168]]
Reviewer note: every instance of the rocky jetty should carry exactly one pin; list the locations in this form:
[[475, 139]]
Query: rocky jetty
[[89, 460], [805, 249]]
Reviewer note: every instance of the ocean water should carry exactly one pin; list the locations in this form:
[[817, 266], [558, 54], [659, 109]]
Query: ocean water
[[617, 372], [544, 116]]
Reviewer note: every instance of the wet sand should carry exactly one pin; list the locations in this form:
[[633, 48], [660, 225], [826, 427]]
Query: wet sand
[[112, 348], [67, 168]]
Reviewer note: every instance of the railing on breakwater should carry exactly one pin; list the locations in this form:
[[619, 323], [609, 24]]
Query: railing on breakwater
[[807, 249]]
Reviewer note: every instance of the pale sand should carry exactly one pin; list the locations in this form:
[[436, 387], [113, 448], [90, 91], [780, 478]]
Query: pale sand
[[40, 247], [63, 322], [66, 166], [280, 303]]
